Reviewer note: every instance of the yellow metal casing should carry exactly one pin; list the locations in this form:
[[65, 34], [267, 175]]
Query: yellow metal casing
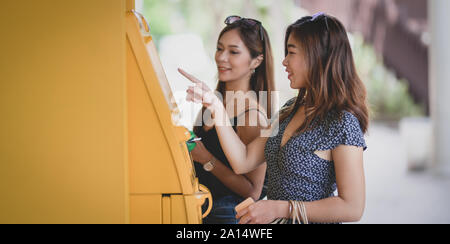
[[86, 132], [150, 106]]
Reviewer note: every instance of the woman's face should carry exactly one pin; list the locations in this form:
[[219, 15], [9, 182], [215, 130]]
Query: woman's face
[[295, 64], [233, 58]]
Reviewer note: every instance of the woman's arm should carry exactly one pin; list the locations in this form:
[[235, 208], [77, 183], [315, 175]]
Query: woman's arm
[[251, 184], [245, 186], [348, 206], [243, 158], [245, 151]]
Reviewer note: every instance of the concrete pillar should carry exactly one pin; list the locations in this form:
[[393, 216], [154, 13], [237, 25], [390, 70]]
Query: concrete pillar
[[439, 18]]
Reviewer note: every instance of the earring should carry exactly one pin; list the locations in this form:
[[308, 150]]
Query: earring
[[253, 71]]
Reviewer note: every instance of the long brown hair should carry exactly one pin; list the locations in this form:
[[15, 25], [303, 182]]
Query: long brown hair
[[332, 83], [263, 78]]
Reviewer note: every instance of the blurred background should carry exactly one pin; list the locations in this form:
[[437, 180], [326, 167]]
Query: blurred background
[[400, 49]]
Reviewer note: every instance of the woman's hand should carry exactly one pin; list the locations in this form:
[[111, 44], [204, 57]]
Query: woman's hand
[[200, 154], [261, 212], [201, 93]]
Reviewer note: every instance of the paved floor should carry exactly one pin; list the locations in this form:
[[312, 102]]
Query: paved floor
[[395, 195]]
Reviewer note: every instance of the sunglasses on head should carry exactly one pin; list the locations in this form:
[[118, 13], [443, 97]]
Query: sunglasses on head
[[315, 18], [249, 22]]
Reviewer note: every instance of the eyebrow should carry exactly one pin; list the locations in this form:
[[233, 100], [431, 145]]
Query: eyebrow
[[235, 46], [291, 46]]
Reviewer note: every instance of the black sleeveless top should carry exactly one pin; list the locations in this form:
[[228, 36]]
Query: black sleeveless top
[[211, 141]]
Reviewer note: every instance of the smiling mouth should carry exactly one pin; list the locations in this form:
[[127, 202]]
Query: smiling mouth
[[289, 74], [222, 69]]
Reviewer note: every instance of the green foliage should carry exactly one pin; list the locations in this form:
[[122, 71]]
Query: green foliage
[[157, 12], [389, 97]]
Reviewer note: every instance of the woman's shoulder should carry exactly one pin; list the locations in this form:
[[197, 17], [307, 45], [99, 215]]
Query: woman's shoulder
[[348, 121], [250, 121], [344, 128], [250, 106], [251, 113], [341, 121]]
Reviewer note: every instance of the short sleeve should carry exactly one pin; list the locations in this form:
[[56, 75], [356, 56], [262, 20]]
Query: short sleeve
[[346, 131]]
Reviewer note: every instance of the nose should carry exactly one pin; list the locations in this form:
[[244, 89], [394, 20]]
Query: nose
[[285, 62], [221, 57]]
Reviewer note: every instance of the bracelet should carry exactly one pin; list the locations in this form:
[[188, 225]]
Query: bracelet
[[294, 213], [297, 208], [303, 213], [290, 208]]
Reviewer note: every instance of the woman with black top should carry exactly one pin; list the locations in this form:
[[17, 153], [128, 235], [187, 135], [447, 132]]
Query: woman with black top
[[245, 66]]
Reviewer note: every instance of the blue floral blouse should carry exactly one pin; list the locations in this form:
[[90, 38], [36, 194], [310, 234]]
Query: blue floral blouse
[[295, 172]]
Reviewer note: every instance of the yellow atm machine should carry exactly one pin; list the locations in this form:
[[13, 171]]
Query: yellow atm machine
[[87, 128]]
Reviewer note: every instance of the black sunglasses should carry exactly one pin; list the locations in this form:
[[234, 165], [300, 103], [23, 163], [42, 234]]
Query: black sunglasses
[[249, 22]]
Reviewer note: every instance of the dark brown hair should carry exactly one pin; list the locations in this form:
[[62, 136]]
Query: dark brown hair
[[332, 82], [263, 78]]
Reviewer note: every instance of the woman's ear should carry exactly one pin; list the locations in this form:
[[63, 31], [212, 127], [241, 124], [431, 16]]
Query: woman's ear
[[256, 62]]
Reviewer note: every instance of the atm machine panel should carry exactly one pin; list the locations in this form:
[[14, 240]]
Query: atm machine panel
[[156, 145]]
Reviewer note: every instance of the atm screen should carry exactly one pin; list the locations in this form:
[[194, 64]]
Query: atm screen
[[159, 70]]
